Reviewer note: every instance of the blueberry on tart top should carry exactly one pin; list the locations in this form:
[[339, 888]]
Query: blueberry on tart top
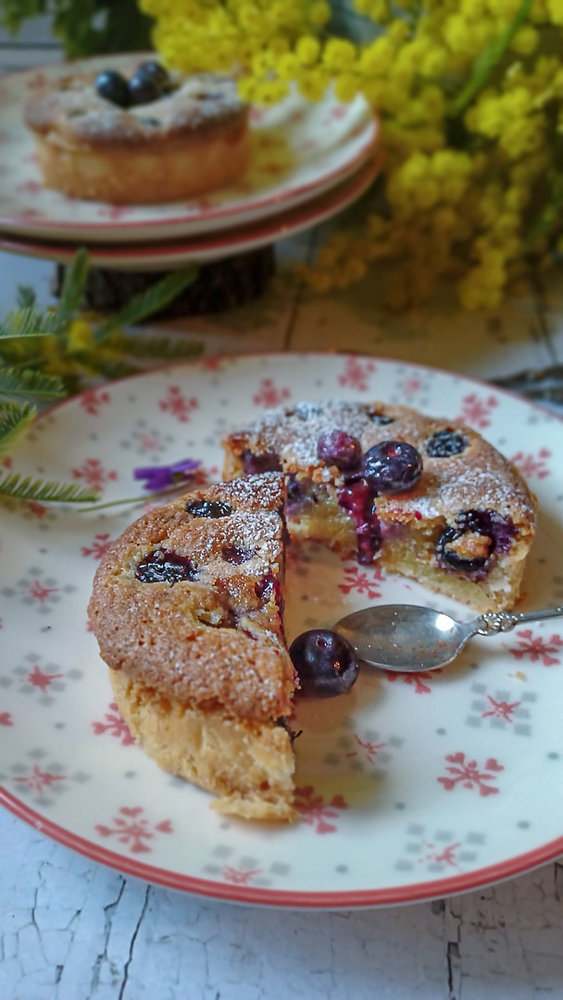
[[187, 610], [428, 498]]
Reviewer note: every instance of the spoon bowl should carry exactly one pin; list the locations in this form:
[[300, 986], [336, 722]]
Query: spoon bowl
[[408, 638]]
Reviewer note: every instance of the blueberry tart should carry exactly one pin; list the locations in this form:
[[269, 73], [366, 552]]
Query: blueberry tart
[[187, 611], [428, 498], [149, 136]]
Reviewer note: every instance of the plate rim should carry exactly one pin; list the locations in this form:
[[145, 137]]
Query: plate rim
[[518, 864], [273, 204], [210, 245], [227, 892]]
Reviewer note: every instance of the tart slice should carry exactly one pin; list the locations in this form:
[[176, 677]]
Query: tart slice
[[187, 610], [428, 498]]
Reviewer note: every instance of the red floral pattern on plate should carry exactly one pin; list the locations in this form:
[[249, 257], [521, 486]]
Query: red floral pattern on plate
[[476, 411], [131, 828], [177, 404], [534, 648], [356, 374], [240, 876], [38, 780], [362, 581], [533, 465], [41, 679], [366, 749], [114, 725], [416, 678], [93, 400], [315, 811], [98, 547], [467, 774], [501, 709], [269, 394], [94, 474]]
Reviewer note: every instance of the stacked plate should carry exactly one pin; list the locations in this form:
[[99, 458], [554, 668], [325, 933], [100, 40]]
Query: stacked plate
[[310, 161]]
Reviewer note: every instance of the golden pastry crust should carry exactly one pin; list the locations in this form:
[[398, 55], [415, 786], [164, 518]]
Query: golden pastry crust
[[188, 142], [248, 765], [215, 639], [477, 478]]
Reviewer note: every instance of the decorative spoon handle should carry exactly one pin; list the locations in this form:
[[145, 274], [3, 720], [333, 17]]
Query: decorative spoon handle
[[505, 621]]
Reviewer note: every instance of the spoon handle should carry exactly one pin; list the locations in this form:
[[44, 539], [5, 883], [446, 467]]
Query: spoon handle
[[505, 621]]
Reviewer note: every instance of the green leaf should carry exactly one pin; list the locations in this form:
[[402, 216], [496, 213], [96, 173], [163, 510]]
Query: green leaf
[[103, 363], [15, 419], [487, 60], [30, 383], [15, 486], [26, 297], [29, 322], [548, 219], [73, 287], [14, 12], [86, 27], [159, 347], [151, 300]]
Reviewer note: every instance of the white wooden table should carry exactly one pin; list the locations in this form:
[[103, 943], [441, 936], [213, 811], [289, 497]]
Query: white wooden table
[[72, 929]]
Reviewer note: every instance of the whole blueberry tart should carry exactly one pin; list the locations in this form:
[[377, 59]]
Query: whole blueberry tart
[[187, 610], [428, 498], [149, 137]]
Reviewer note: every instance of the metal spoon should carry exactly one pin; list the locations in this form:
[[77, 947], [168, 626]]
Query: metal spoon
[[404, 637]]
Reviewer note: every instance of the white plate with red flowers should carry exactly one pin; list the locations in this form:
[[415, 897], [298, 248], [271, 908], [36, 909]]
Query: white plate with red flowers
[[408, 787], [206, 248], [300, 149]]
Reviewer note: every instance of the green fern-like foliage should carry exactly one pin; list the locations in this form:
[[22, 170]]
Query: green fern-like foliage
[[15, 420], [48, 354], [17, 487]]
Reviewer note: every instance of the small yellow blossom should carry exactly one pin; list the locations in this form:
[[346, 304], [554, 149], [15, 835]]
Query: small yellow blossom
[[467, 168]]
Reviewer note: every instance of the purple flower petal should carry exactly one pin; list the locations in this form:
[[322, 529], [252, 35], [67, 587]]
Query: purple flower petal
[[159, 477]]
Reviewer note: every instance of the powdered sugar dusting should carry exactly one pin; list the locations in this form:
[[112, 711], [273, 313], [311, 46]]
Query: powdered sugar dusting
[[479, 476], [72, 106]]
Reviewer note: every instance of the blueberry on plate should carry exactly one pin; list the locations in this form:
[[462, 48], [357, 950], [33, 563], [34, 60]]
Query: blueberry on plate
[[325, 663], [112, 86]]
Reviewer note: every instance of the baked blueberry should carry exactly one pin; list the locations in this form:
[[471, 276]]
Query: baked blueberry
[[209, 508], [336, 447], [356, 498], [381, 419], [392, 467], [112, 86], [236, 554], [165, 566], [254, 464], [491, 531], [325, 663], [445, 443], [267, 587]]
